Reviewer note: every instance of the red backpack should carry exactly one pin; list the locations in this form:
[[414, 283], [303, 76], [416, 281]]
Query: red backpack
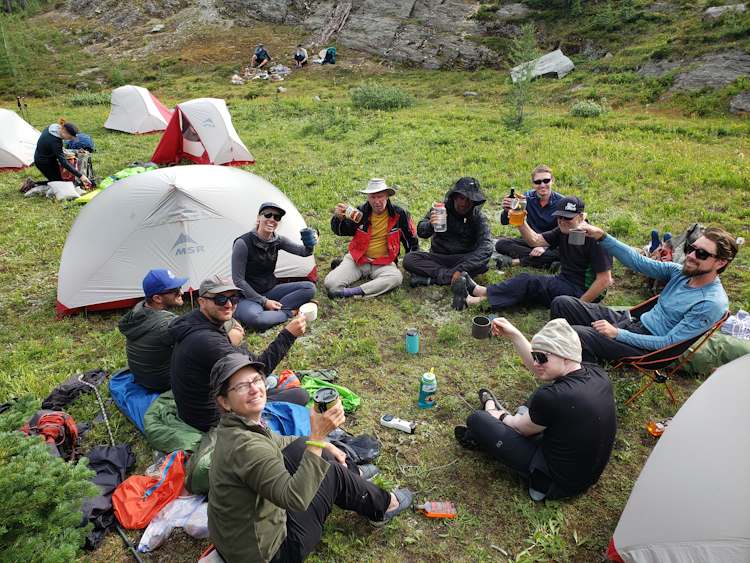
[[58, 430]]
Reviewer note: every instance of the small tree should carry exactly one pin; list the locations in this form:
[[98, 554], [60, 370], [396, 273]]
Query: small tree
[[523, 51]]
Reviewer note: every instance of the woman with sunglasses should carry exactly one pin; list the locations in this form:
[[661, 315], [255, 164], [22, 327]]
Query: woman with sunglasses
[[266, 302], [561, 440]]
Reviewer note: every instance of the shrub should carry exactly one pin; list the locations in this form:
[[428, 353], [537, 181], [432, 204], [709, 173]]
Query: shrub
[[42, 495], [331, 122], [89, 99], [587, 108], [378, 96], [116, 78], [523, 51]]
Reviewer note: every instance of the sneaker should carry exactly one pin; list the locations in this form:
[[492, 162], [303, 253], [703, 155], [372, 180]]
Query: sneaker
[[458, 288], [471, 285], [368, 471], [405, 498], [336, 262], [416, 281], [28, 184], [503, 261]]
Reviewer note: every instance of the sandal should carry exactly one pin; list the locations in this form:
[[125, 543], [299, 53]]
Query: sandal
[[487, 395], [405, 497]]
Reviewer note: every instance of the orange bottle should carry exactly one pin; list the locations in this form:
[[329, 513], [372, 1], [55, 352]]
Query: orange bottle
[[439, 509], [656, 428]]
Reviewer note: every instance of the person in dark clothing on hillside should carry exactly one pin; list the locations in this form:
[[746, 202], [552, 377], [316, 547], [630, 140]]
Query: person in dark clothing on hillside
[[260, 57], [49, 155], [561, 440], [200, 341], [466, 244], [266, 301]]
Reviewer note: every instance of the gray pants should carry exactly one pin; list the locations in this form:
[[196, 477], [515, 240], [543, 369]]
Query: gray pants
[[382, 278]]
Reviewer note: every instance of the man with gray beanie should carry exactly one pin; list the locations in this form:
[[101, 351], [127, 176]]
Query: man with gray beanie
[[561, 441]]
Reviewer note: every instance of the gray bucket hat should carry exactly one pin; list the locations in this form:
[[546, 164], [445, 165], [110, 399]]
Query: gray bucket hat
[[226, 367], [216, 284]]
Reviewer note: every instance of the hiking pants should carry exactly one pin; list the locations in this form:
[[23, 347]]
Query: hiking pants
[[529, 289], [291, 296], [520, 453], [341, 486], [50, 169], [382, 278], [296, 395], [516, 247], [438, 267], [596, 346]]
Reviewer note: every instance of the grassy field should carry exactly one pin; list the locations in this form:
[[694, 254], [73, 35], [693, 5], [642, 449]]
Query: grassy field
[[636, 170]]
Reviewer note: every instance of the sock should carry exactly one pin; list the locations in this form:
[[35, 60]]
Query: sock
[[667, 237], [351, 291], [654, 240]]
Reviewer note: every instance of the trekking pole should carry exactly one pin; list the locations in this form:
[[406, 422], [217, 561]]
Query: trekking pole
[[128, 543], [101, 406]]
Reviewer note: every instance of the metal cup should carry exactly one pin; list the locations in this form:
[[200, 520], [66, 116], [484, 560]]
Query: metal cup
[[577, 237], [309, 236], [325, 398], [480, 327]]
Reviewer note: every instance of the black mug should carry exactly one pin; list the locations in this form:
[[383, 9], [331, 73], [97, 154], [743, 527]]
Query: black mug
[[480, 327], [325, 398]]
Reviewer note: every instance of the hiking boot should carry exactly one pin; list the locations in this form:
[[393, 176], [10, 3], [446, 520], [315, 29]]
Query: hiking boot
[[368, 471], [503, 261], [336, 262], [416, 281], [27, 185], [554, 268], [458, 288], [405, 497], [463, 437], [471, 285]]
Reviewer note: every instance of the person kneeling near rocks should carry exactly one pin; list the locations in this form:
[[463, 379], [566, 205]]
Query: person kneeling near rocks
[[270, 495], [562, 442], [465, 245]]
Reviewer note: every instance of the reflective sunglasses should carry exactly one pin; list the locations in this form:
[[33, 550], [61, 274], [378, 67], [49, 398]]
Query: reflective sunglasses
[[700, 253], [542, 181], [269, 214], [539, 357], [242, 388], [222, 300]]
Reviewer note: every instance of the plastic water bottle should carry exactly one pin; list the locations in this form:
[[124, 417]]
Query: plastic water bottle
[[438, 208], [427, 389]]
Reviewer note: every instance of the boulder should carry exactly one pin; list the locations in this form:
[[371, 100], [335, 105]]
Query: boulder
[[657, 69], [511, 12], [716, 12], [551, 64], [740, 104], [714, 71], [470, 94]]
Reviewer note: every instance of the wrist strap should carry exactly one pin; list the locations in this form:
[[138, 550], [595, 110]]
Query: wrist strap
[[502, 416], [316, 444]]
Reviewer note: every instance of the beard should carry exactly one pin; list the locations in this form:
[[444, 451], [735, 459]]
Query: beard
[[691, 270]]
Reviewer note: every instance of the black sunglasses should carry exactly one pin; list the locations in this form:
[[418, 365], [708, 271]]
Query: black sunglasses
[[542, 181], [222, 300], [269, 214], [539, 357], [700, 253], [175, 291]]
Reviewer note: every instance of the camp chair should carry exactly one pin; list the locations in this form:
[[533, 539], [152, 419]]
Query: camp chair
[[651, 364]]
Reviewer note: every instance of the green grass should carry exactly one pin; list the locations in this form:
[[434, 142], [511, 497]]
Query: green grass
[[636, 170]]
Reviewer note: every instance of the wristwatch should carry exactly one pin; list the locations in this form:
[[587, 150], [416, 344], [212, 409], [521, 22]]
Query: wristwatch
[[503, 415]]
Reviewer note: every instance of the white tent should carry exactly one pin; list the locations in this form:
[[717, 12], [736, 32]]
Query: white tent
[[136, 110], [691, 502], [17, 141], [201, 130], [184, 218]]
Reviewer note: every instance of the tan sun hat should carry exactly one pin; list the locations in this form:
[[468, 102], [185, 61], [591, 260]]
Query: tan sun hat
[[377, 185]]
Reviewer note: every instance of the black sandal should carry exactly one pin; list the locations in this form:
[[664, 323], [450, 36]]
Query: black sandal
[[487, 395]]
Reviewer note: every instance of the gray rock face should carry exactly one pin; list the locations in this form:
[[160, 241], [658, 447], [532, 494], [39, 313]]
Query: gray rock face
[[740, 104], [714, 71], [658, 69], [515, 11], [716, 12]]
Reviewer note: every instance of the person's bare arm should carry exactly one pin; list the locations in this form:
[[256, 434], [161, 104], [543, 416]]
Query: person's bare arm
[[532, 238], [603, 281], [503, 327], [523, 424]]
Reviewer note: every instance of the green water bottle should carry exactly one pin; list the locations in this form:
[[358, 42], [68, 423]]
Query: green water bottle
[[427, 389]]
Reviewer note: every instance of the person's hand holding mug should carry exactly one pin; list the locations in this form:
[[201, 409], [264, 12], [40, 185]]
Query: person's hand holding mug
[[591, 231], [297, 326], [323, 423], [340, 210]]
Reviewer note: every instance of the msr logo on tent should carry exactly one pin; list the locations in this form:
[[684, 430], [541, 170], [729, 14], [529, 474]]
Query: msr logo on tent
[[185, 245]]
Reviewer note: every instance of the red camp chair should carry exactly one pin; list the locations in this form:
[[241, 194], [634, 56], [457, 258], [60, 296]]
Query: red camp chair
[[651, 364]]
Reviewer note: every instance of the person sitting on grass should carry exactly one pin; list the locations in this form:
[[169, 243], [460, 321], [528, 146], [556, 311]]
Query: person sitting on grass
[[578, 265], [541, 202], [269, 494], [300, 56], [261, 57], [49, 155], [561, 440], [200, 340], [266, 302], [376, 240], [692, 301], [465, 245]]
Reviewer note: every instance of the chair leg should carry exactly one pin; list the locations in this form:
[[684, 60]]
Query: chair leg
[[641, 391], [656, 377]]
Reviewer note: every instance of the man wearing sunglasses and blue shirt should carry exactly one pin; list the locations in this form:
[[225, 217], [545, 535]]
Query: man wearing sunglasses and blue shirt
[[691, 302], [200, 340]]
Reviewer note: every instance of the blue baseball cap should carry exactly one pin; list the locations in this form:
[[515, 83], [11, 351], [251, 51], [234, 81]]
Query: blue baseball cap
[[159, 281]]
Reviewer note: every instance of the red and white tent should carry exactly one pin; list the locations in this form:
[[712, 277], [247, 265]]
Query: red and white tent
[[201, 130], [17, 141], [183, 218], [136, 110]]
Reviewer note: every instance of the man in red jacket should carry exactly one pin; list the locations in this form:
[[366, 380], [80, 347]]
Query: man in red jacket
[[376, 241]]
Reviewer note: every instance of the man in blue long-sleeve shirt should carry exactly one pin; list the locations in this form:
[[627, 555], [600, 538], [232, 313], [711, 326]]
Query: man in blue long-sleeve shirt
[[691, 302]]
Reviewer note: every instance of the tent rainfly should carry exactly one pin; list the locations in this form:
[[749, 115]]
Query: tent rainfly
[[17, 142], [201, 130], [184, 218], [690, 502], [136, 110]]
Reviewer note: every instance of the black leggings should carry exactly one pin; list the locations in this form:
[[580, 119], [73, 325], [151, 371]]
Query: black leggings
[[342, 487], [50, 169]]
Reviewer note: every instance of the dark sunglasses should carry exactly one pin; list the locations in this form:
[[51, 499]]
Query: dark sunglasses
[[700, 253], [176, 291], [539, 357], [222, 300], [269, 214], [542, 181]]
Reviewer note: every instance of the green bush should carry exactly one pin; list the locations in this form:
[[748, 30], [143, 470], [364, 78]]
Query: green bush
[[378, 96], [42, 495], [331, 122], [89, 99], [587, 108], [116, 78]]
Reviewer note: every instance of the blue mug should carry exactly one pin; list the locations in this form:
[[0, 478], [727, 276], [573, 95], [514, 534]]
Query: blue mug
[[412, 341], [309, 237]]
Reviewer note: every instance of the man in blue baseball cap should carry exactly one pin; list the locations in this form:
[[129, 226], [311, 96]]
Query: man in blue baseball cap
[[149, 343]]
